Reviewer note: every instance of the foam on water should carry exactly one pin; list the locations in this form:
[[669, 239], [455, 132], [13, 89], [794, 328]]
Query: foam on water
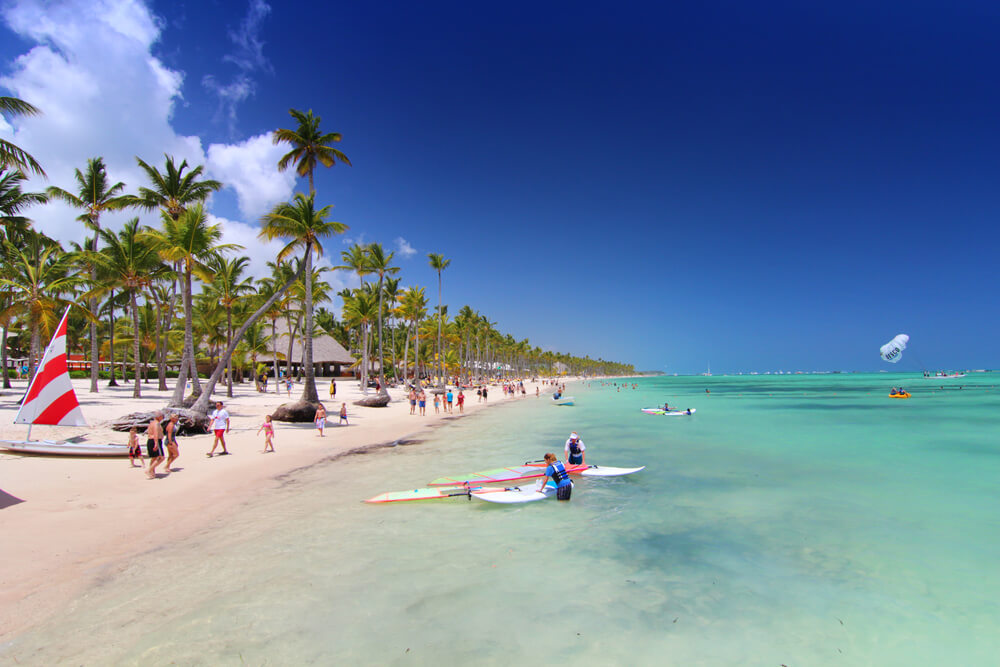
[[796, 520]]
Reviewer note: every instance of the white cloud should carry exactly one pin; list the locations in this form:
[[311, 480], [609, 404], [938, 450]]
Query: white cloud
[[103, 93], [251, 169], [404, 248]]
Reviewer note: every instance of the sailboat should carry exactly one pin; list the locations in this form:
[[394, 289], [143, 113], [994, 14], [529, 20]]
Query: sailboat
[[50, 400], [708, 372]]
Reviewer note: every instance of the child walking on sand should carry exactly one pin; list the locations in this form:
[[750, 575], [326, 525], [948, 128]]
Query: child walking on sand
[[268, 428], [320, 419], [343, 414], [134, 448], [437, 403]]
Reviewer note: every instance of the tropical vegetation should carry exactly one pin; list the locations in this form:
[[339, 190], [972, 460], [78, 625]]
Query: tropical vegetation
[[170, 302]]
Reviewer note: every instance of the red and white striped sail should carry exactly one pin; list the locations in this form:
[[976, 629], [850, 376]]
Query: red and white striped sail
[[50, 398]]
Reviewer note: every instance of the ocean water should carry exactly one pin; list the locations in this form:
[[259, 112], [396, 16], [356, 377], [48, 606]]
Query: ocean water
[[796, 520]]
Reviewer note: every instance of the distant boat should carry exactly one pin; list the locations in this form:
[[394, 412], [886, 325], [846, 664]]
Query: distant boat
[[708, 373]]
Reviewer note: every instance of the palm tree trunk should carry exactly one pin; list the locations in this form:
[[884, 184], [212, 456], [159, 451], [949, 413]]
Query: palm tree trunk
[[137, 389], [291, 342], [274, 352], [229, 359], [381, 357], [406, 351], [94, 347], [309, 393], [178, 398], [161, 350], [416, 349], [3, 359], [111, 312], [440, 321]]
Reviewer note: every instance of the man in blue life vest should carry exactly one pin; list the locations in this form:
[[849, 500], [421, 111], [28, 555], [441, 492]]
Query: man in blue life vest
[[575, 450], [557, 471]]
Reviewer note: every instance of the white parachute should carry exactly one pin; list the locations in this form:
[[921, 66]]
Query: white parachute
[[893, 350]]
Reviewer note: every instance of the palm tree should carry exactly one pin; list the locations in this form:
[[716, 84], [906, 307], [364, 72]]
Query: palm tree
[[381, 265], [11, 155], [94, 196], [361, 310], [190, 241], [304, 227], [413, 308], [132, 263], [38, 276], [229, 286], [13, 200], [173, 191], [309, 146], [439, 264]]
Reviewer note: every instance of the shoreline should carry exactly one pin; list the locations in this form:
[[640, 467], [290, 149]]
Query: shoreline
[[81, 519]]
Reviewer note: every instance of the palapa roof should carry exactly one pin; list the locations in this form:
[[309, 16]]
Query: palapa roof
[[326, 350]]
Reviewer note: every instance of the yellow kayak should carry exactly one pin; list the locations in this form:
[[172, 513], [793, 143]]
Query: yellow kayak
[[903, 395]]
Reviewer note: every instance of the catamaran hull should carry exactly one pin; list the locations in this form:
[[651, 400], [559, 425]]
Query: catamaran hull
[[52, 448]]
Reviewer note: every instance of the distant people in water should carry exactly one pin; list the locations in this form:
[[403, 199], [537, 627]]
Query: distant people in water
[[556, 396]]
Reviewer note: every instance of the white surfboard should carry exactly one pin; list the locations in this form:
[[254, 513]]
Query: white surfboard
[[516, 495], [607, 471]]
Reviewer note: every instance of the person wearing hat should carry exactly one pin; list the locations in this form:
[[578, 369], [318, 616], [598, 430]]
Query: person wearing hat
[[575, 450]]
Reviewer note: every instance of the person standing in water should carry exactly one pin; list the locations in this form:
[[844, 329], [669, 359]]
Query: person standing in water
[[575, 450], [557, 471]]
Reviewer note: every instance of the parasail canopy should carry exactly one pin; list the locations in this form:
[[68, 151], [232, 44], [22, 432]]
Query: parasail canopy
[[893, 350]]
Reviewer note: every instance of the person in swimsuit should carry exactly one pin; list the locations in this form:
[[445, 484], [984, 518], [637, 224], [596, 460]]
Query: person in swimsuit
[[449, 397], [461, 401], [154, 434], [333, 387], [343, 414], [437, 403], [422, 403], [557, 471], [134, 448], [220, 426], [413, 401], [171, 440], [320, 419], [575, 450], [268, 428]]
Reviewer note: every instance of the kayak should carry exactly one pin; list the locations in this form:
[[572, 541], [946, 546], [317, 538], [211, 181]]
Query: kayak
[[501, 475], [519, 495], [672, 413], [565, 400], [903, 395]]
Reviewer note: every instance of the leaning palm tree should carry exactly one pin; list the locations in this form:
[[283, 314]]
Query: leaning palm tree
[[439, 264], [192, 242], [11, 155], [303, 226], [229, 287], [309, 146], [173, 191], [131, 262], [381, 265], [94, 195]]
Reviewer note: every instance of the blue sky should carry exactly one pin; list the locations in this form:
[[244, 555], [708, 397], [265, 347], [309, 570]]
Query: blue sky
[[760, 186]]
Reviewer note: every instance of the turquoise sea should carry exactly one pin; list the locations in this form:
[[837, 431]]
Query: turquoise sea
[[794, 520]]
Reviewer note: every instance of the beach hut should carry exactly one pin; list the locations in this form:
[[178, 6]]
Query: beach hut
[[329, 356]]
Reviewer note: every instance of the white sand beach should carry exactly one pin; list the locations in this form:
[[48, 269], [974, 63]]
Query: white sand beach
[[82, 518]]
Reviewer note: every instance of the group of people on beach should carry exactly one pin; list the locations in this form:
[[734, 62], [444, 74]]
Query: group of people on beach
[[418, 401], [161, 444]]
